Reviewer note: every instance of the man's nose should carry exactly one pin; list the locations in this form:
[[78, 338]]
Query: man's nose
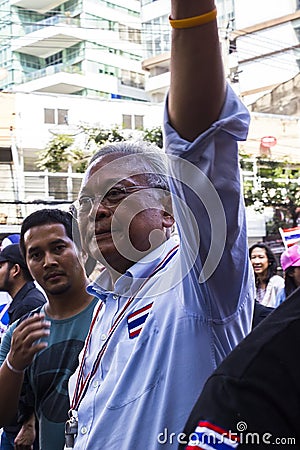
[[99, 210], [49, 259]]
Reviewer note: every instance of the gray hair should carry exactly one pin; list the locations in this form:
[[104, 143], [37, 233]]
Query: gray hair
[[152, 155]]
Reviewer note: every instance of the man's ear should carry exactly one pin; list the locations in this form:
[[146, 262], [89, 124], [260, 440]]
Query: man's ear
[[16, 270], [168, 219]]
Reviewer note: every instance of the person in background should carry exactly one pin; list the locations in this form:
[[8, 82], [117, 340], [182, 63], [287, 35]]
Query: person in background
[[268, 283], [43, 348], [10, 239], [169, 313], [5, 298], [290, 263], [16, 280]]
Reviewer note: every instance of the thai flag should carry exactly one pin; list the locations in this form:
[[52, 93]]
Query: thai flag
[[137, 319], [290, 236], [211, 437]]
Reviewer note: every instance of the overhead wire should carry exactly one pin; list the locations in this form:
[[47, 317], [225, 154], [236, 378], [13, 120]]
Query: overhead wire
[[255, 40]]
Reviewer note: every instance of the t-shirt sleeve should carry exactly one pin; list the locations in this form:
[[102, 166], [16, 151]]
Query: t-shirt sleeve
[[5, 343]]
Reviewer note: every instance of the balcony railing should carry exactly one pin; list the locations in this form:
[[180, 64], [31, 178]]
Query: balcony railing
[[51, 70], [59, 19], [39, 190]]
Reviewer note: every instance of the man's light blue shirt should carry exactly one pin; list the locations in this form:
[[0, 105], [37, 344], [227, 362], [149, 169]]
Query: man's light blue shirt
[[186, 318]]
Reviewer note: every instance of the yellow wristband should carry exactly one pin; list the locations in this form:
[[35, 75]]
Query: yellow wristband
[[195, 21]]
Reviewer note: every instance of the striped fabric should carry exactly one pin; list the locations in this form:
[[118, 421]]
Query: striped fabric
[[211, 437]]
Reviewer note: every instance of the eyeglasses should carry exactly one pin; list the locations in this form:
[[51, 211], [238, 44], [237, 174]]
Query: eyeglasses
[[111, 199]]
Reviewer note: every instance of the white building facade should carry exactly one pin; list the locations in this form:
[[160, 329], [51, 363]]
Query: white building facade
[[32, 120], [82, 47]]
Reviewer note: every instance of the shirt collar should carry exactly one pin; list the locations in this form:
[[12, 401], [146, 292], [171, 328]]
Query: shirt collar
[[133, 277]]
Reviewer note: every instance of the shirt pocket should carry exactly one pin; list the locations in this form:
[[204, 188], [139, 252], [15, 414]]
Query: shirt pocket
[[135, 373]]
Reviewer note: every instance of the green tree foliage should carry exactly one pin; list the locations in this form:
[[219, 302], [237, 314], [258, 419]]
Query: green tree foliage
[[100, 136], [154, 135], [58, 154], [104, 136], [95, 137], [276, 185], [61, 151]]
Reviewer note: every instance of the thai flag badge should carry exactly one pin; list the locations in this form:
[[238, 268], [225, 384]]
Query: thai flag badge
[[137, 319], [211, 437]]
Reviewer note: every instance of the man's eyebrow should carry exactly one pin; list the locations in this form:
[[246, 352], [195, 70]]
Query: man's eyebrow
[[58, 241], [55, 242], [108, 184]]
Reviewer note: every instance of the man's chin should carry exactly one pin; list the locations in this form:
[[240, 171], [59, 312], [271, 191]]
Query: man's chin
[[114, 254], [57, 289], [102, 252]]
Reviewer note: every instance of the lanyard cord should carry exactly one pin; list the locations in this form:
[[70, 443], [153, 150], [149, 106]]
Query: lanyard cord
[[82, 384]]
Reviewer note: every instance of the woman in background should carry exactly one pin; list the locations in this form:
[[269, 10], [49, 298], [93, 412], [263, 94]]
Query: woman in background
[[268, 283]]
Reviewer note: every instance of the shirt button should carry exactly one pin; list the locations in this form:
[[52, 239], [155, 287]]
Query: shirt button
[[95, 383], [83, 430], [103, 337], [115, 297]]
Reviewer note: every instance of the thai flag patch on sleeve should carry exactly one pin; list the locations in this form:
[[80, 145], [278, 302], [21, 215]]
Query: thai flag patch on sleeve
[[211, 437], [136, 320]]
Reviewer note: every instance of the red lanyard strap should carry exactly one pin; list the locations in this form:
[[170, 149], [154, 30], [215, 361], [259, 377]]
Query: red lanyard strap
[[80, 372]]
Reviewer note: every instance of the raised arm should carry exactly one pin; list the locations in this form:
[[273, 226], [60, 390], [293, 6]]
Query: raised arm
[[197, 88]]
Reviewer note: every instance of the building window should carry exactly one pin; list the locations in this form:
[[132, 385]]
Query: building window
[[57, 58], [129, 34], [297, 32], [56, 116], [133, 122], [138, 122], [133, 79], [49, 115], [232, 46], [30, 61], [107, 70], [62, 117], [157, 35], [127, 124]]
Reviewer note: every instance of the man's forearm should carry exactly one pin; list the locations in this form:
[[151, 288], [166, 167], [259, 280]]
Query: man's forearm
[[26, 435], [197, 87], [10, 389]]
